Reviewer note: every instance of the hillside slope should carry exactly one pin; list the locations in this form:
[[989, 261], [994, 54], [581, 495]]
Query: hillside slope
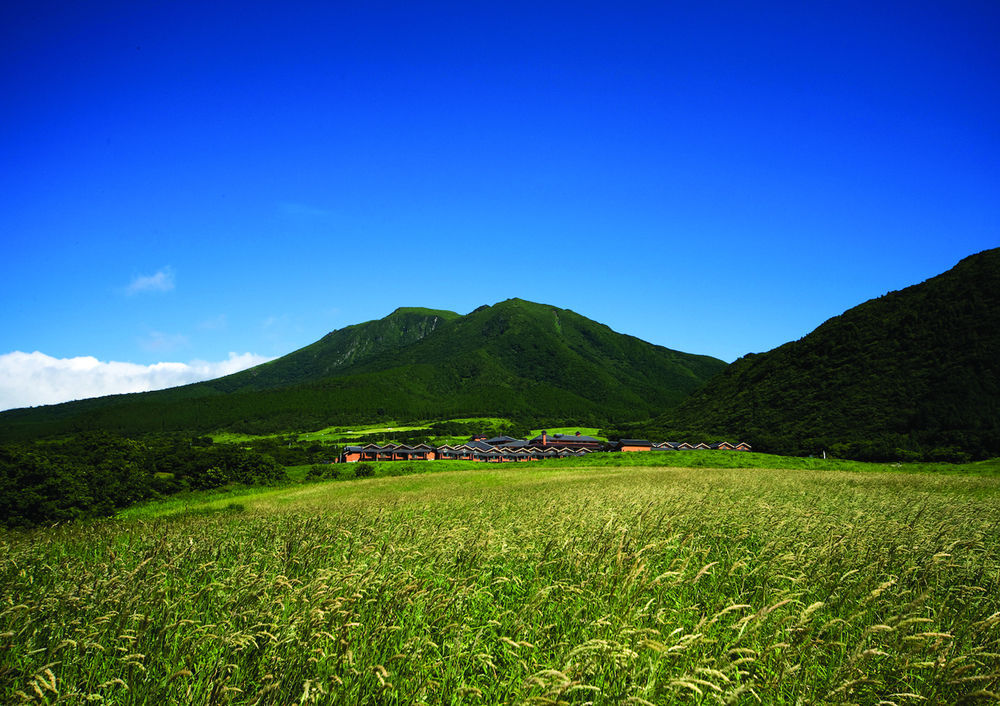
[[916, 370], [339, 350], [513, 359]]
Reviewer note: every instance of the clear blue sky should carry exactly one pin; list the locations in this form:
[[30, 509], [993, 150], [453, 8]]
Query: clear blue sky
[[182, 181]]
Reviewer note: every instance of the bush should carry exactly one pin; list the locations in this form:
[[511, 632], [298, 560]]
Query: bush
[[949, 454], [364, 470], [319, 471], [213, 477]]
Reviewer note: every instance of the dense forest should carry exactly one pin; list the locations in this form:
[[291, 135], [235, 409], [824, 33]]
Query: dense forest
[[914, 374], [95, 474]]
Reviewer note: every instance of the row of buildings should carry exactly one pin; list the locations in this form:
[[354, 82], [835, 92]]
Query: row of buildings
[[508, 449]]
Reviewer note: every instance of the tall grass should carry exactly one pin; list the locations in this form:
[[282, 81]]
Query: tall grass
[[522, 585]]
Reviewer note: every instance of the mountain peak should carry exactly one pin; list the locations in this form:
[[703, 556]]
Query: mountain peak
[[515, 359], [422, 311]]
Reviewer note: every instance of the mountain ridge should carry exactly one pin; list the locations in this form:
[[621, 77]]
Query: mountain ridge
[[514, 358]]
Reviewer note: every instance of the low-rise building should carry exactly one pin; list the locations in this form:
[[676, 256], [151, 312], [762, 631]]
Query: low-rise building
[[570, 441], [503, 449]]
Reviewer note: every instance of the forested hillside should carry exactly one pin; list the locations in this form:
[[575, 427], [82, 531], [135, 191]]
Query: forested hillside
[[914, 373], [515, 359]]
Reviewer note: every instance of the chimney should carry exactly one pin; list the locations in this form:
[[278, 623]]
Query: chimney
[[545, 438]]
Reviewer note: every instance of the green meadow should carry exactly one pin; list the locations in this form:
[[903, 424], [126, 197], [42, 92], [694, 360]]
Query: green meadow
[[613, 580], [340, 434], [586, 431], [331, 434]]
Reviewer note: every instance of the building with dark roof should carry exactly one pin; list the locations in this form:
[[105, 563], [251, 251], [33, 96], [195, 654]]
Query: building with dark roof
[[508, 449], [501, 440], [569, 441]]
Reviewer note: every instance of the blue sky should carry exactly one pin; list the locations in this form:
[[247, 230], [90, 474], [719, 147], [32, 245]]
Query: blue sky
[[215, 184]]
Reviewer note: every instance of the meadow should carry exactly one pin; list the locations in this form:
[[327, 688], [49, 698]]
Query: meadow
[[342, 434], [531, 583]]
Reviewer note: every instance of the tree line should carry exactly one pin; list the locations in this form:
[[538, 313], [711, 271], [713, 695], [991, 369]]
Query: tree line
[[96, 474]]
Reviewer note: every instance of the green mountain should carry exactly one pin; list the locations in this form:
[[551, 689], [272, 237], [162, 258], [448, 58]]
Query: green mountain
[[339, 350], [914, 372], [513, 359]]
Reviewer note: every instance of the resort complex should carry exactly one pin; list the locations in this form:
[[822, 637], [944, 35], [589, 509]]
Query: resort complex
[[508, 449]]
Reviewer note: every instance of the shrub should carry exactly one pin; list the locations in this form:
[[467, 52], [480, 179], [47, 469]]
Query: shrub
[[364, 470], [318, 471], [345, 472]]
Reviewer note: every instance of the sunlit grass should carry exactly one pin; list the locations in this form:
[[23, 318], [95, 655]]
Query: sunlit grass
[[534, 583], [586, 431], [331, 434], [334, 434]]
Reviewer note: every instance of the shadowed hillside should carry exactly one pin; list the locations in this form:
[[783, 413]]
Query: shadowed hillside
[[914, 372]]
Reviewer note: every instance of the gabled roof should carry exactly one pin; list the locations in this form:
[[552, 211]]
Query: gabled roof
[[515, 444], [480, 445], [564, 438]]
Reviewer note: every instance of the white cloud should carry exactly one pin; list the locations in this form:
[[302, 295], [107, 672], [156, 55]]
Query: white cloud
[[30, 379], [162, 281]]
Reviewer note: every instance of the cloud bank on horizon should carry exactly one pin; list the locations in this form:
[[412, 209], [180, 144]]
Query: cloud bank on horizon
[[29, 379]]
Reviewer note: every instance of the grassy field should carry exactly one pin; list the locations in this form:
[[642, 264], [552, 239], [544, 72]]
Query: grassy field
[[330, 434], [586, 431], [530, 583], [337, 434]]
